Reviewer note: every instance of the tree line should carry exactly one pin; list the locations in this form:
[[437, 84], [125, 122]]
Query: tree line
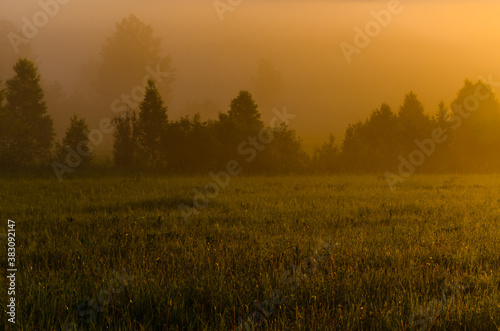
[[145, 139], [462, 138]]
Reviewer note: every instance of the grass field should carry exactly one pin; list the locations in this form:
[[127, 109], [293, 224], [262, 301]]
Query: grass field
[[285, 253]]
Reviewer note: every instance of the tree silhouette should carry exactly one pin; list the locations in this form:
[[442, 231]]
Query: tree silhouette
[[4, 130], [327, 157], [354, 149], [76, 141], [128, 56], [445, 157], [1, 95], [192, 145], [244, 111], [413, 122], [151, 128], [241, 121], [29, 136], [244, 115], [284, 154], [372, 145], [125, 144], [381, 138], [441, 118], [476, 119]]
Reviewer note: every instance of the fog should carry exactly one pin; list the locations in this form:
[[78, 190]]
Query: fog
[[430, 47]]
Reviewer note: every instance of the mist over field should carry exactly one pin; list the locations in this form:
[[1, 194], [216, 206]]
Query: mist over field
[[430, 48]]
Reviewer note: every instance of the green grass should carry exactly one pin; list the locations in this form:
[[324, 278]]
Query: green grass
[[397, 252]]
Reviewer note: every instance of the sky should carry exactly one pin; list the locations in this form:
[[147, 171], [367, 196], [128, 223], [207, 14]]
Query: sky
[[428, 47]]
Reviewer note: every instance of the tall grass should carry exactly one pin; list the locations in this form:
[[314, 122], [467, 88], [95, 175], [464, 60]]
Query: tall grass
[[396, 252]]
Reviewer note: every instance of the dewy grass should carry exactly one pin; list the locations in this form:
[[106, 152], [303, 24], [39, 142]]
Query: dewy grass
[[398, 253]]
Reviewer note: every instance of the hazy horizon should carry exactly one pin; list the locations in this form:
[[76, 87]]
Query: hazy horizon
[[428, 48]]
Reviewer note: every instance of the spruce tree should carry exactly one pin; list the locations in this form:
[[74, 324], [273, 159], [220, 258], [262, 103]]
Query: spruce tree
[[30, 134], [151, 128]]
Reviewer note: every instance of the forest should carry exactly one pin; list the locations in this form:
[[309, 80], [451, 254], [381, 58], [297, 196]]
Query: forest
[[459, 137]]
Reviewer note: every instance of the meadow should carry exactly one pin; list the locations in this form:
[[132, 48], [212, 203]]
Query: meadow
[[277, 253]]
